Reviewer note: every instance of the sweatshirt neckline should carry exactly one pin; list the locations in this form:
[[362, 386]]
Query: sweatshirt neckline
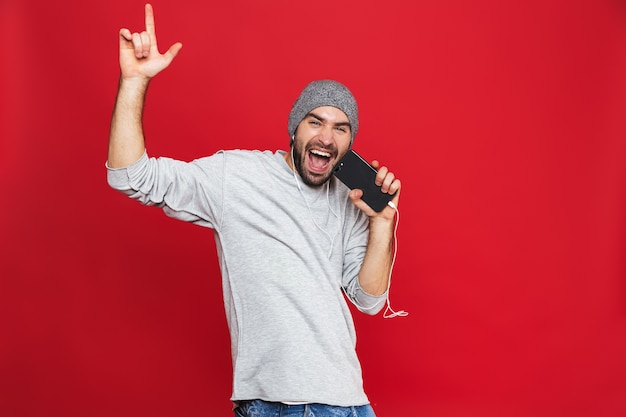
[[280, 155]]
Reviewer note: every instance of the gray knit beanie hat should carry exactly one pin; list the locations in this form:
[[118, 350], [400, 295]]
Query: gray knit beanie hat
[[324, 93]]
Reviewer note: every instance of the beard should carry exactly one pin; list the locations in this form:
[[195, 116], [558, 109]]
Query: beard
[[309, 178]]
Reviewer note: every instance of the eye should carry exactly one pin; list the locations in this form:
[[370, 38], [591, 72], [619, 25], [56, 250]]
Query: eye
[[342, 129], [314, 122]]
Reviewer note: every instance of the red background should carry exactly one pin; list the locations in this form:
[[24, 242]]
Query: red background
[[506, 122]]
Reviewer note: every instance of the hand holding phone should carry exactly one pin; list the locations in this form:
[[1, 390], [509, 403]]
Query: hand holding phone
[[355, 173]]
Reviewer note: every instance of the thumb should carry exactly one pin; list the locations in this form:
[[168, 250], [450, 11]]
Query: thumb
[[355, 195]]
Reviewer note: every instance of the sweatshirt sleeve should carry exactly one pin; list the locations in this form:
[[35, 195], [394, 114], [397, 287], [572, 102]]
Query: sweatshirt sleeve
[[187, 191]]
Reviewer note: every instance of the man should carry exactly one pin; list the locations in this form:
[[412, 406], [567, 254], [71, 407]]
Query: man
[[290, 239]]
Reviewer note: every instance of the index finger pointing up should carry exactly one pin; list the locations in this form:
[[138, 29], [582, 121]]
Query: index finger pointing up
[[150, 21]]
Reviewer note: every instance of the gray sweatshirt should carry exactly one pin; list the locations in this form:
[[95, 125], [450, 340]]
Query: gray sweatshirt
[[286, 251]]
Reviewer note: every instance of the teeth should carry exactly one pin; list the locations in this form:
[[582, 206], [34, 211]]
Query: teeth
[[320, 153]]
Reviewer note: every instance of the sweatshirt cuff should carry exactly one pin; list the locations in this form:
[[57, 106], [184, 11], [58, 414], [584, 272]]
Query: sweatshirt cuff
[[119, 178], [368, 301]]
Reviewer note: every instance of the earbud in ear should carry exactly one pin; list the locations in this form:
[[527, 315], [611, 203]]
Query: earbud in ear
[[293, 138]]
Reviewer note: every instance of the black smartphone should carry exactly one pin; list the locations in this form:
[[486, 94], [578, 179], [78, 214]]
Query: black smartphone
[[355, 172]]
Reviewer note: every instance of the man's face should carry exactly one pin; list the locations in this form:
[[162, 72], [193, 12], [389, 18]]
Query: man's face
[[321, 140]]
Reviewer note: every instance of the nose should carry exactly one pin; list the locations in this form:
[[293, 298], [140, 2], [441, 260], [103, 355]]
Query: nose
[[326, 135]]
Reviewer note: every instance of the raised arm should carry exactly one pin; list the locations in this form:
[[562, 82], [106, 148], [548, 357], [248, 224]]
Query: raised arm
[[376, 268], [140, 60]]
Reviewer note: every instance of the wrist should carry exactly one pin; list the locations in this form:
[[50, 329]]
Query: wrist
[[381, 223], [134, 83]]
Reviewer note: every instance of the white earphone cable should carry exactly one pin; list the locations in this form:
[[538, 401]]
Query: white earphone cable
[[389, 312], [331, 239]]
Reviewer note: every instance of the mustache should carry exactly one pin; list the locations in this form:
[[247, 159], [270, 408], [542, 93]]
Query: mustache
[[330, 149]]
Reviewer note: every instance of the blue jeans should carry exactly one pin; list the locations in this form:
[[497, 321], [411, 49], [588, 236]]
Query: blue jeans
[[259, 408]]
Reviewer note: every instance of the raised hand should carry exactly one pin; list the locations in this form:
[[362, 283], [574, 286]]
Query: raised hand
[[389, 184], [139, 54]]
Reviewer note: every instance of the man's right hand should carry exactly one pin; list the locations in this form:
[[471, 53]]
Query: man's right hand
[[139, 54], [140, 60]]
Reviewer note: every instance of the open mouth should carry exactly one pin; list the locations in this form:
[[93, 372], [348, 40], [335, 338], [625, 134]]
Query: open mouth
[[319, 160]]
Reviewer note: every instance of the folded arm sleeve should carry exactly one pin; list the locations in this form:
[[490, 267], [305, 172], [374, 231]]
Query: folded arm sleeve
[[355, 248], [187, 191]]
